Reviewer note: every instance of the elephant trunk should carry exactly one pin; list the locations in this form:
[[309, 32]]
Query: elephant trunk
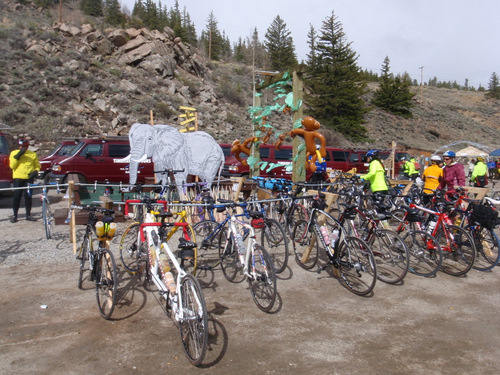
[[136, 156]]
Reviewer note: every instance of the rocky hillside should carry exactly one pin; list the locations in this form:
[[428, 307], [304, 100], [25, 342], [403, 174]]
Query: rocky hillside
[[80, 78]]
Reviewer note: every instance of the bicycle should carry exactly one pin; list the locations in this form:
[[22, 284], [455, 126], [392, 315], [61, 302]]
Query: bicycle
[[101, 261], [253, 261], [47, 216], [183, 296], [351, 256]]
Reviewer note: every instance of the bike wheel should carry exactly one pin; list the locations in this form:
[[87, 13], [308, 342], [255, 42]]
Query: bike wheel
[[130, 246], [424, 251], [47, 218], [458, 250], [357, 268], [208, 244], [228, 256], [83, 255], [275, 241], [305, 245], [106, 282], [396, 221], [298, 212], [487, 248], [391, 256], [262, 280], [193, 327]]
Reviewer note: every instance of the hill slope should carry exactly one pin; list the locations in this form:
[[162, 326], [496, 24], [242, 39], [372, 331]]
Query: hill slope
[[80, 78]]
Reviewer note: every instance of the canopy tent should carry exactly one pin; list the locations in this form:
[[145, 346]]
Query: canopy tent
[[471, 152], [496, 152]]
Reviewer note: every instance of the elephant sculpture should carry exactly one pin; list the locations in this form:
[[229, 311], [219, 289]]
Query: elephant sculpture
[[196, 152]]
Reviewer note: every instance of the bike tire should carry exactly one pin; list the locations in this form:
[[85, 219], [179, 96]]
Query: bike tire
[[487, 248], [262, 280], [298, 212], [228, 256], [130, 248], [275, 241], [193, 328], [459, 251], [208, 244], [356, 264], [83, 255], [391, 256], [304, 242], [47, 218], [106, 282], [424, 251]]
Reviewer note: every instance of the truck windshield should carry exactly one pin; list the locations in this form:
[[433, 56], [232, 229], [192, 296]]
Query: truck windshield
[[4, 147]]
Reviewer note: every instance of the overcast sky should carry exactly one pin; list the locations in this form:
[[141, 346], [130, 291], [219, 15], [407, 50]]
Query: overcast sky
[[452, 39]]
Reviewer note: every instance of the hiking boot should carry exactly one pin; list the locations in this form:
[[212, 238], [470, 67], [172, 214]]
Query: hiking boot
[[30, 218], [13, 219]]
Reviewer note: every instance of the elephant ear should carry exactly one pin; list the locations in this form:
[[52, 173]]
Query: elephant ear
[[168, 140]]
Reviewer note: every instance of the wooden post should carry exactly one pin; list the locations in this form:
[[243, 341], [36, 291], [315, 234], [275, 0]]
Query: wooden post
[[72, 222], [255, 152], [299, 158]]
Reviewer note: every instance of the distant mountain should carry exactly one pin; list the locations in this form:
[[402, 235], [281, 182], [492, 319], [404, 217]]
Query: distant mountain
[[80, 78]]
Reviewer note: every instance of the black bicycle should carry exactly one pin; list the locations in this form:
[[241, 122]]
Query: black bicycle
[[95, 256]]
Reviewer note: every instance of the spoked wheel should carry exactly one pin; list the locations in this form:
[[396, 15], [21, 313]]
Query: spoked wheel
[[193, 327], [228, 256], [458, 249], [129, 248], [208, 247], [262, 279], [358, 272], [83, 255], [275, 241], [48, 219], [305, 245], [425, 253], [487, 246], [299, 212], [391, 256], [106, 283]]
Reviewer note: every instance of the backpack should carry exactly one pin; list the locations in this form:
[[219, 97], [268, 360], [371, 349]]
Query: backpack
[[417, 166], [482, 181]]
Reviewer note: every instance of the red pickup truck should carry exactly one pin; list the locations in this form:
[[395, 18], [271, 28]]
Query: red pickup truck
[[5, 171]]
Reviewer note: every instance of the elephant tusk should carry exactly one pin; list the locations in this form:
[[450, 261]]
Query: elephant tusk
[[124, 160], [143, 158]]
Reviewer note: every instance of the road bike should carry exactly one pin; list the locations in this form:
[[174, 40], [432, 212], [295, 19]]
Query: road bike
[[351, 256], [252, 260], [47, 215], [96, 257], [181, 291]]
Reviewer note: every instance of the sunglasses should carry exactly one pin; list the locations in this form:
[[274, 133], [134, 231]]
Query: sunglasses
[[447, 158]]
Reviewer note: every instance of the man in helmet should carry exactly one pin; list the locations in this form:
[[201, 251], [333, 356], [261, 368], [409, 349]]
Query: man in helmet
[[479, 174], [25, 166], [454, 174], [376, 173], [432, 176]]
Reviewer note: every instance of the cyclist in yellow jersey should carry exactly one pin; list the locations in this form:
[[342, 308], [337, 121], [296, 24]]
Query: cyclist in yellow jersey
[[376, 173], [432, 176]]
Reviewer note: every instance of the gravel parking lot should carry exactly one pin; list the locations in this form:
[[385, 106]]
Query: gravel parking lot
[[441, 325]]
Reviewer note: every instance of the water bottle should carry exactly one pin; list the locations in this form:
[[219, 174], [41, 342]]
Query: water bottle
[[239, 243], [164, 264], [335, 237], [152, 251], [111, 230], [431, 225], [99, 228], [169, 281], [324, 233]]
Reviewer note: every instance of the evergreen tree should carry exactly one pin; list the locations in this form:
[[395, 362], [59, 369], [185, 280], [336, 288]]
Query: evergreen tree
[[240, 50], [114, 16], [394, 94], [312, 38], [189, 29], [92, 7], [493, 87], [279, 46], [212, 38], [335, 84], [256, 54]]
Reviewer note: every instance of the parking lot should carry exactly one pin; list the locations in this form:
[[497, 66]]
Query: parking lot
[[441, 325]]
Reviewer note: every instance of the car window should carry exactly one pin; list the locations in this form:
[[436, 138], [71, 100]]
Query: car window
[[93, 150], [340, 155], [119, 151], [354, 158], [283, 154], [400, 155], [66, 149], [264, 152], [4, 146], [226, 150]]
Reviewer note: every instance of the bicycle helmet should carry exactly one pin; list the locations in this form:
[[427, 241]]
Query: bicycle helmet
[[449, 154], [372, 153], [24, 142], [480, 158], [436, 158]]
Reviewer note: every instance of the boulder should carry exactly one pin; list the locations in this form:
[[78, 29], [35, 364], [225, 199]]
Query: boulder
[[38, 49], [135, 55], [118, 37]]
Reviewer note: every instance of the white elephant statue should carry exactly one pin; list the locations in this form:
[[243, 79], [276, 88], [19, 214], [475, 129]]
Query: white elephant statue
[[196, 152]]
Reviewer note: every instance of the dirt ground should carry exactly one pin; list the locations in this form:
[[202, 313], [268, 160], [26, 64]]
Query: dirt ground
[[441, 325]]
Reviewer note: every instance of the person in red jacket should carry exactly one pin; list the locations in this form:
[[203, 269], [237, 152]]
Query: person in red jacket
[[454, 174]]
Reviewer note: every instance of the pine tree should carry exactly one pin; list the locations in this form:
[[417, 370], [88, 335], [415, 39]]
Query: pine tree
[[312, 38], [279, 45], [212, 39], [394, 94], [493, 87], [92, 7], [335, 83], [114, 16]]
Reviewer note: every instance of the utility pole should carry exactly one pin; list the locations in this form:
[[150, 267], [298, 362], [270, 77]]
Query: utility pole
[[421, 84]]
